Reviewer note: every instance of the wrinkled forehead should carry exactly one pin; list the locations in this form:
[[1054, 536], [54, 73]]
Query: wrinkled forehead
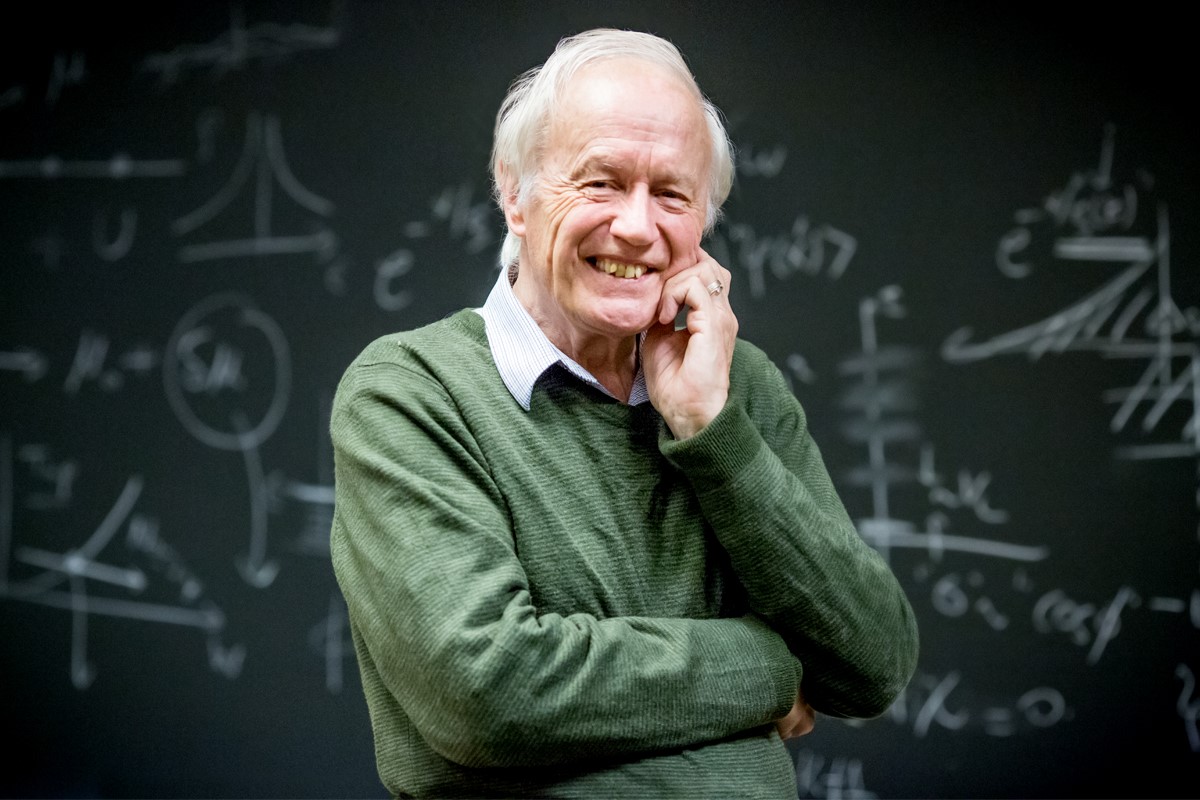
[[634, 95]]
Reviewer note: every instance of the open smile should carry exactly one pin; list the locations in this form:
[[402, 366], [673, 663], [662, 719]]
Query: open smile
[[619, 269]]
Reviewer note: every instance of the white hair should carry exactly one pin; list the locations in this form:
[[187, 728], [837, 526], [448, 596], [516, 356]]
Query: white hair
[[524, 118]]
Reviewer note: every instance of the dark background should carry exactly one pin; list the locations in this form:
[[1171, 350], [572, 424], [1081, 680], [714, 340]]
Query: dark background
[[209, 208]]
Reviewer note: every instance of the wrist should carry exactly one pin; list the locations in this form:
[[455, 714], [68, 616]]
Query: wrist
[[686, 424]]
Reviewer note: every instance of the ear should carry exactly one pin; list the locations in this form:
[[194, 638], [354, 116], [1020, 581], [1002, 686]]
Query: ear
[[514, 215]]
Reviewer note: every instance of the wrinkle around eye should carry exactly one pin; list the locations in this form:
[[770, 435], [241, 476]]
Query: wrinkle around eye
[[598, 190], [675, 202]]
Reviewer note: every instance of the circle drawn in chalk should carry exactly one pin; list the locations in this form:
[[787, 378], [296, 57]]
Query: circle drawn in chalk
[[213, 372]]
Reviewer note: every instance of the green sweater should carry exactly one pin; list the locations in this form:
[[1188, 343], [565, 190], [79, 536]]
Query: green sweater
[[567, 602]]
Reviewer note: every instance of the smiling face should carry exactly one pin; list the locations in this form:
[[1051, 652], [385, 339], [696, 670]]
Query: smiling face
[[618, 205]]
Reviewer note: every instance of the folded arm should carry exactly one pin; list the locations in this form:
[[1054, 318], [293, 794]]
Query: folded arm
[[424, 553], [765, 490]]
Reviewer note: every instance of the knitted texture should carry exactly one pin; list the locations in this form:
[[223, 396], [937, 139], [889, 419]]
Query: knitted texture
[[567, 602]]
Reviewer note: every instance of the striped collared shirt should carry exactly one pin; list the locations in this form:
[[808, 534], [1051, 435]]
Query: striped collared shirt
[[523, 353]]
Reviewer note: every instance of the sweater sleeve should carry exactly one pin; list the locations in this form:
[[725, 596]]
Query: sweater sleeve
[[764, 489], [424, 554]]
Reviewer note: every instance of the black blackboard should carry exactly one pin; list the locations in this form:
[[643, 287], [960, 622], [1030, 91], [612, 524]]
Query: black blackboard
[[967, 235]]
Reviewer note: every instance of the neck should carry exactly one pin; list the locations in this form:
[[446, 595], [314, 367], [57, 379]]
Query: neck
[[611, 360], [613, 364]]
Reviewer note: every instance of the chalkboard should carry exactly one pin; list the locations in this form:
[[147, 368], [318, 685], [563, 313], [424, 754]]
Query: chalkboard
[[967, 236]]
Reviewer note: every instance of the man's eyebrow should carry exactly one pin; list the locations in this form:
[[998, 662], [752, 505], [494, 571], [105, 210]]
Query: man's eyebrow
[[594, 164], [603, 164]]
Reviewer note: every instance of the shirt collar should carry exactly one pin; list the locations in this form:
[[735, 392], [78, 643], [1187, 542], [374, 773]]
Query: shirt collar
[[523, 352]]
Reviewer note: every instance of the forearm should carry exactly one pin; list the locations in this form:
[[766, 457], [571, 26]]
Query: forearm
[[544, 690], [805, 568]]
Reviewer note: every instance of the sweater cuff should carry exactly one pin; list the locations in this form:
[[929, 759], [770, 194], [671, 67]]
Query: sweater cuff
[[718, 452], [784, 671]]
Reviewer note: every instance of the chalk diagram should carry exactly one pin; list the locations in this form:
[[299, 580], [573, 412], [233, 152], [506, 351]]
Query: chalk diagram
[[227, 376], [226, 373], [881, 402], [261, 168], [145, 581], [1133, 315]]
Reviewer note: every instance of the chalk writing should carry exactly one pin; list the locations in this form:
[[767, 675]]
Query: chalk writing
[[120, 166], [1188, 705], [239, 45], [928, 703], [830, 778], [456, 216], [798, 369], [330, 638], [760, 162], [7, 502], [29, 363], [315, 497], [1085, 623], [65, 579], [805, 249], [91, 363], [971, 490], [66, 69], [114, 247], [262, 158], [255, 568], [1104, 320], [951, 599], [883, 396], [214, 352], [387, 272], [55, 477], [1090, 207]]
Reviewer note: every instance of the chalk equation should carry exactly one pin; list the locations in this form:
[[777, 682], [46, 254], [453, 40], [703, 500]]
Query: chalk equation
[[457, 215], [226, 374], [929, 702], [965, 578], [805, 249], [883, 400], [243, 43], [1133, 315], [126, 567]]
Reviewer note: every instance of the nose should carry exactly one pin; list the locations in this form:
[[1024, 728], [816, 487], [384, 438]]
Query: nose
[[634, 218]]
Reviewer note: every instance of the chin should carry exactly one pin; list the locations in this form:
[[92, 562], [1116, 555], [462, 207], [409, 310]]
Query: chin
[[621, 319]]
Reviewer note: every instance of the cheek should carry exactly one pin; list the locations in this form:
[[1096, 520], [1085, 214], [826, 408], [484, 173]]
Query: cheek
[[583, 224], [683, 234]]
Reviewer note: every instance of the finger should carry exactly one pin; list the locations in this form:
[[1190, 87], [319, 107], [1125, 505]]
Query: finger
[[685, 291], [682, 289], [799, 728], [719, 274], [698, 284], [702, 285]]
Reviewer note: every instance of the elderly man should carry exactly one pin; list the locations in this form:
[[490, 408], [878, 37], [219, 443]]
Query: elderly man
[[587, 551]]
